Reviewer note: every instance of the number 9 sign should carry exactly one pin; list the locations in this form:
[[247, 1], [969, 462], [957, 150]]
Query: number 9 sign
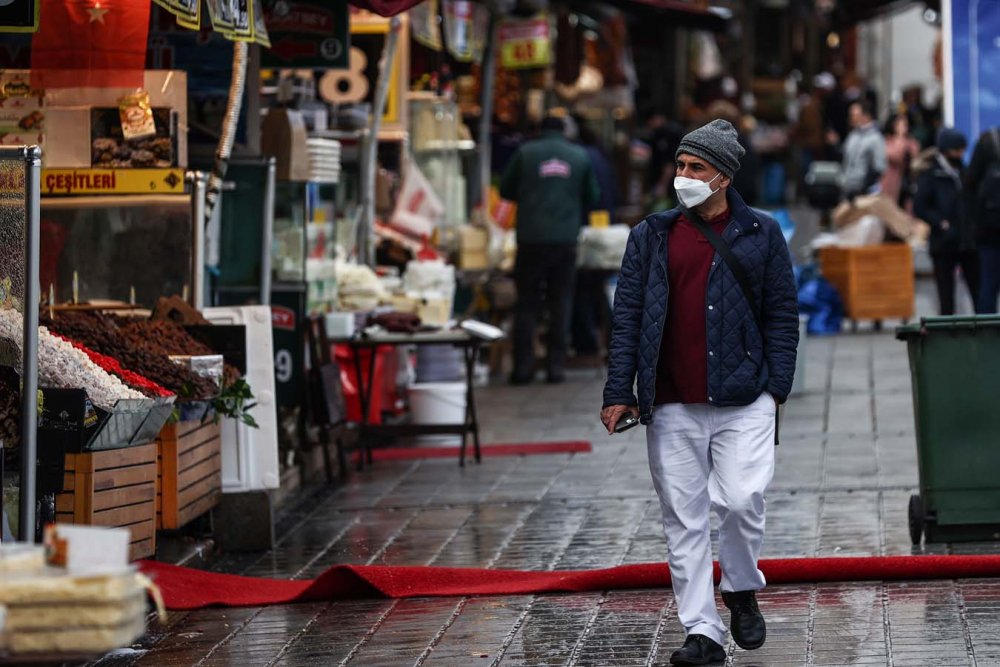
[[283, 366]]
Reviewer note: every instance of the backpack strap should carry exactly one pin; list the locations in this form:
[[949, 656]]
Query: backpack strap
[[729, 257]]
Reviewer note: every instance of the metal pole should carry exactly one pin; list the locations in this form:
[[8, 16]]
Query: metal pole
[[268, 236], [369, 158], [198, 223], [486, 120], [29, 376]]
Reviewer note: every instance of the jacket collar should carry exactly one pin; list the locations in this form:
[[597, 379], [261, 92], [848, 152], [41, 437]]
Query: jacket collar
[[741, 215]]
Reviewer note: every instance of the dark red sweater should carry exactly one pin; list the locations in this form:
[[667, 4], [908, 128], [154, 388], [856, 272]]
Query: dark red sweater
[[682, 369]]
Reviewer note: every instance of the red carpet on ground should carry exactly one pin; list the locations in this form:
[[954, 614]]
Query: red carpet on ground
[[521, 449], [184, 588]]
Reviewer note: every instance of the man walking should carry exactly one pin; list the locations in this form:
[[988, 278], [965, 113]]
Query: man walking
[[552, 180], [706, 317], [864, 151]]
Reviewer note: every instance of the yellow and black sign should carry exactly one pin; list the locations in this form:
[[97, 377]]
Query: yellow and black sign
[[112, 181]]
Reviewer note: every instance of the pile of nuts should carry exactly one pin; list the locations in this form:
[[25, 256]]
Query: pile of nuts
[[60, 365]]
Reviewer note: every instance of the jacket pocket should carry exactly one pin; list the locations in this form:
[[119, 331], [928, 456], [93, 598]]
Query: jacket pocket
[[752, 348]]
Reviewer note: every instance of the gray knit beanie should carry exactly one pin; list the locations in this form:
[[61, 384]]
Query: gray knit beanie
[[716, 143]]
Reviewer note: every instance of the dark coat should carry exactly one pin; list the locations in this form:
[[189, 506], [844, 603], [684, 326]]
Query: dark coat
[[747, 362], [984, 156], [939, 198]]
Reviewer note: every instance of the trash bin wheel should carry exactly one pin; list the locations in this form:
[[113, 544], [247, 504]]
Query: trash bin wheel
[[916, 519]]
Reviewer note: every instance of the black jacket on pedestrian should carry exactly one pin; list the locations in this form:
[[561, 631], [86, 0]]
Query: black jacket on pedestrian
[[986, 222], [939, 198]]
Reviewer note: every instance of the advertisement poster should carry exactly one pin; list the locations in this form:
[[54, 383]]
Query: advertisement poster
[[972, 100], [526, 44]]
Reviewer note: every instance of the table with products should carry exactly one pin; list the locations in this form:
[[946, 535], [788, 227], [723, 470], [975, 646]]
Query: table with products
[[470, 345]]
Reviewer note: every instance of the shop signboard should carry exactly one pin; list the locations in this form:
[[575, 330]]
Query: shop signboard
[[19, 15], [307, 34], [526, 44], [112, 181], [356, 83], [288, 308]]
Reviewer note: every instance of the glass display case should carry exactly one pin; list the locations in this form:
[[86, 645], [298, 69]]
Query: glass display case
[[310, 233], [442, 148], [117, 243]]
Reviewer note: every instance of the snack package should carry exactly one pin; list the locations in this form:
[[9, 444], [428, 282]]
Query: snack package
[[137, 116]]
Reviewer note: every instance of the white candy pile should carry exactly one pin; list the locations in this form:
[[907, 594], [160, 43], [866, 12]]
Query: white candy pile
[[63, 366]]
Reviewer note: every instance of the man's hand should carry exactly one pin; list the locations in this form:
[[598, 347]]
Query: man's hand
[[613, 413]]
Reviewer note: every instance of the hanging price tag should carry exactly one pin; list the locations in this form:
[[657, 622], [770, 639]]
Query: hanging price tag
[[525, 44]]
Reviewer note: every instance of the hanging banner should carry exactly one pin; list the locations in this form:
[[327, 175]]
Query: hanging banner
[[19, 16], [458, 29], [526, 44], [307, 34], [425, 25]]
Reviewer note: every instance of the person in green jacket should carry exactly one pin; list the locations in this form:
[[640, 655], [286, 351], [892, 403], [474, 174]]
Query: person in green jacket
[[552, 181]]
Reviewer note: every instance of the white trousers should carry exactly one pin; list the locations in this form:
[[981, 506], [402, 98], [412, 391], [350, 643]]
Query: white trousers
[[704, 458]]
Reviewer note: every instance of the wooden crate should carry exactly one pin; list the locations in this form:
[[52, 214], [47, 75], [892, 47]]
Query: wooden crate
[[189, 477], [114, 488], [875, 282]]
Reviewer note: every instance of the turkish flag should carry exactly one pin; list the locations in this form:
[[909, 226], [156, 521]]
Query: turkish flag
[[90, 43]]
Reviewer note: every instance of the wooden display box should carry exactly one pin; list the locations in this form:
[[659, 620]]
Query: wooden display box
[[114, 488], [875, 282], [189, 479]]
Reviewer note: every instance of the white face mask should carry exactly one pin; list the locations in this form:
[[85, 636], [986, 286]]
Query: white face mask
[[693, 192]]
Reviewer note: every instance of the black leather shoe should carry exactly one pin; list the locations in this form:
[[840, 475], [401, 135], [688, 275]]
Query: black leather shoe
[[698, 650], [747, 623], [521, 380]]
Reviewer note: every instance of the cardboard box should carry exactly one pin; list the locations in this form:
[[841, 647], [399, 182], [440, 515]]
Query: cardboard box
[[474, 246], [283, 135]]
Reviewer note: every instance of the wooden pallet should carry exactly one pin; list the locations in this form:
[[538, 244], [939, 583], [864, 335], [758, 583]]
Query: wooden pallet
[[189, 478], [114, 488], [875, 282]]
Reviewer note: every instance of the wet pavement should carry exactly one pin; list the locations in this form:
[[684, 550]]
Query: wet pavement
[[845, 470]]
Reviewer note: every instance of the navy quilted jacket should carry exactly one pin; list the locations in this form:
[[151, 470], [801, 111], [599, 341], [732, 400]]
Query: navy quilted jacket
[[744, 363]]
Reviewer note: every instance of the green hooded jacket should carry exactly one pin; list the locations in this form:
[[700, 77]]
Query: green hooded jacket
[[552, 180]]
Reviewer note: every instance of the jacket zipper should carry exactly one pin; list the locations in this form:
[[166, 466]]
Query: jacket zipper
[[716, 265]]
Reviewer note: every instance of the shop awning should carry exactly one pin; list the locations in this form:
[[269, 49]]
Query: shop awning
[[386, 7], [679, 14]]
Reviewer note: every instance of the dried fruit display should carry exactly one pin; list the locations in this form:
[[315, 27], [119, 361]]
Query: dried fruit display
[[132, 349]]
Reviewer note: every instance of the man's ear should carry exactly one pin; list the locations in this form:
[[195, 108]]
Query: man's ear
[[725, 181]]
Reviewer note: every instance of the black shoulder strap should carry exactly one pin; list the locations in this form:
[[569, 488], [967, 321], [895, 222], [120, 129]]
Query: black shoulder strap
[[730, 259]]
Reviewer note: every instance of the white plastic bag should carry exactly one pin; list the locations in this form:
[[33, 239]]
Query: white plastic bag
[[418, 208]]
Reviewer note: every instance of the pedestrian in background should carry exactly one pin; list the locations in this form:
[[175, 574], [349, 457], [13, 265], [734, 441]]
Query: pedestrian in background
[[939, 201], [706, 319], [901, 149], [552, 181], [747, 180], [589, 301], [982, 190], [864, 152]]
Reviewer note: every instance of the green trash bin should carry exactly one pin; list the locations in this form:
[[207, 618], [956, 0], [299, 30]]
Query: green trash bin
[[955, 373]]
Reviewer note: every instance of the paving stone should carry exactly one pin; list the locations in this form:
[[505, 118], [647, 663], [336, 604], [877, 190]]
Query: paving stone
[[844, 474]]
